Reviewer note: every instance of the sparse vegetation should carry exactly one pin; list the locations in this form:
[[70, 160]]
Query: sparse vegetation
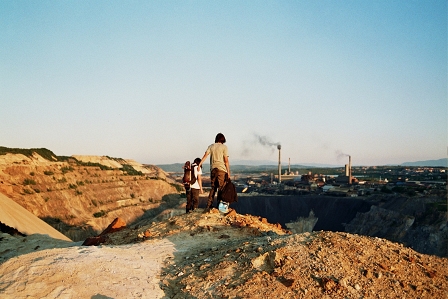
[[66, 169], [63, 180], [48, 172], [91, 164], [99, 214], [440, 206], [179, 188], [43, 152], [129, 170], [27, 191], [29, 182]]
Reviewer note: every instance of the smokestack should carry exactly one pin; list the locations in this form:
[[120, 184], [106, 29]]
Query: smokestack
[[289, 166], [279, 164], [349, 169]]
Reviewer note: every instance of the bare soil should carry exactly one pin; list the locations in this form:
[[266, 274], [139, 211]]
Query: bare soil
[[212, 255], [236, 256]]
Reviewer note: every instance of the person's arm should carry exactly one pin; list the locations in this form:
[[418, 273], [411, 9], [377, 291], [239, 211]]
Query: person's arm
[[203, 159], [200, 181], [226, 161]]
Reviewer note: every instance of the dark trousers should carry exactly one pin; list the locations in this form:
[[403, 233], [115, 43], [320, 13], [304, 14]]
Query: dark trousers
[[192, 199], [218, 178]]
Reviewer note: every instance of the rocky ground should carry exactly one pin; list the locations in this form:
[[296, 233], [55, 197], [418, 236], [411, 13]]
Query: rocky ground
[[213, 255], [246, 257]]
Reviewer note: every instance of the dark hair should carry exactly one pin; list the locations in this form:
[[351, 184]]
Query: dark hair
[[197, 161], [220, 138]]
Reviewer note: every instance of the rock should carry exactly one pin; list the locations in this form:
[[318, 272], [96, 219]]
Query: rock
[[116, 225], [231, 213], [368, 273], [328, 284], [94, 241]]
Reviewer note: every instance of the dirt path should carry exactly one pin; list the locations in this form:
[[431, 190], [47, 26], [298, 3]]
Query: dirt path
[[126, 271]]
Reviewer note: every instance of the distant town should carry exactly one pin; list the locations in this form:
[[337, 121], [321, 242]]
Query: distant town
[[357, 181], [342, 181]]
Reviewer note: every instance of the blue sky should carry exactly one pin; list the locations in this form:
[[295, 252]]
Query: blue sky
[[155, 81]]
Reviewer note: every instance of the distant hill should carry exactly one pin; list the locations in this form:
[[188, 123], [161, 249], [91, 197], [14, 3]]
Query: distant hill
[[431, 163], [241, 166], [265, 165]]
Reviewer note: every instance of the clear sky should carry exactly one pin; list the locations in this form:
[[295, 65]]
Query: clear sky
[[155, 81]]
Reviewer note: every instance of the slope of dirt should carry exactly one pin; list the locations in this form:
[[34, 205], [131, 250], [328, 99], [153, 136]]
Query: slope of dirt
[[212, 255], [80, 197], [236, 256], [15, 216]]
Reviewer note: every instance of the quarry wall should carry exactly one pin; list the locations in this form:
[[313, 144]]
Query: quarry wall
[[417, 222], [81, 198]]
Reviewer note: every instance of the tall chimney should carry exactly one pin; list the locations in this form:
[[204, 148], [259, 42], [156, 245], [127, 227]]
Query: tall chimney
[[279, 164], [289, 166], [349, 169]]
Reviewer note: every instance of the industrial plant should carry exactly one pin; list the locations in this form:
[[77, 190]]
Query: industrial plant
[[340, 183]]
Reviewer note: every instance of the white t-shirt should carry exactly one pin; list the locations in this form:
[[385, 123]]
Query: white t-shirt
[[196, 173]]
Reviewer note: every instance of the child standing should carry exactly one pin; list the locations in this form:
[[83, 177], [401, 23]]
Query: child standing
[[196, 188]]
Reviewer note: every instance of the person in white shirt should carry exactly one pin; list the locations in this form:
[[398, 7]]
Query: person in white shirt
[[196, 188]]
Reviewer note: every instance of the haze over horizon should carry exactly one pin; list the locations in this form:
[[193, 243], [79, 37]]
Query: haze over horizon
[[156, 81]]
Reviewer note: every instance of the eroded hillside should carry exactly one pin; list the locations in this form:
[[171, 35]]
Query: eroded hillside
[[81, 195]]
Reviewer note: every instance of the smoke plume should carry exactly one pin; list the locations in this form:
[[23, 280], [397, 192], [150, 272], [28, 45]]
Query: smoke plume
[[340, 155], [264, 141]]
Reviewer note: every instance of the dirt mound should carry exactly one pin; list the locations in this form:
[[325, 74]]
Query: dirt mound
[[243, 256], [213, 225], [212, 255], [309, 265], [15, 216]]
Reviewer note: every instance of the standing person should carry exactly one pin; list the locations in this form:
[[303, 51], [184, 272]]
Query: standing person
[[195, 188], [219, 167]]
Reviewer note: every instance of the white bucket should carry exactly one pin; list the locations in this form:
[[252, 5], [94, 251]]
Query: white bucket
[[223, 207]]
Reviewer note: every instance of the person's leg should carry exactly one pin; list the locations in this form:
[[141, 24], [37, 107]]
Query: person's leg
[[194, 199], [221, 179], [189, 200], [214, 186]]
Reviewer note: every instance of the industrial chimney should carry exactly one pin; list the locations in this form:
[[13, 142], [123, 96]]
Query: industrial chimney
[[349, 169], [279, 164], [289, 166]]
